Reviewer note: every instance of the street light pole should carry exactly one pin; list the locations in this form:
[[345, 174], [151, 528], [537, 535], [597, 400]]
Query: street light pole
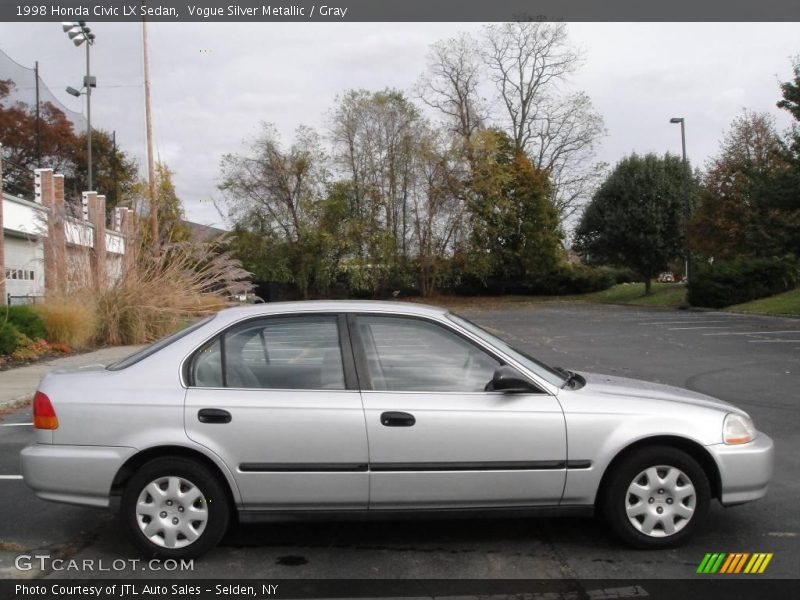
[[79, 33], [686, 208]]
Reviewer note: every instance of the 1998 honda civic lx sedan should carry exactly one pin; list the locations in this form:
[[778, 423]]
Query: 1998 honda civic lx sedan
[[376, 408]]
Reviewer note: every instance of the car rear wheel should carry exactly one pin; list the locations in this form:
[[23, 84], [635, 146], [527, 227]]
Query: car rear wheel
[[656, 497], [174, 507]]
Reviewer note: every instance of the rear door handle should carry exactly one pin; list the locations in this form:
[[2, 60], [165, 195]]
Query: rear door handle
[[397, 419], [213, 415]]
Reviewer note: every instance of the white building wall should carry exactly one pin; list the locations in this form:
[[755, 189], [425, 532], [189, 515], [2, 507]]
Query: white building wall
[[22, 216], [25, 227]]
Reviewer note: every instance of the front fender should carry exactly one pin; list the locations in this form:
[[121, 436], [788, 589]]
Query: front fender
[[600, 437]]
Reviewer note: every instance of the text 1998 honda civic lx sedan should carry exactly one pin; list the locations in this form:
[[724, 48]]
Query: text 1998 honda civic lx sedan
[[377, 408]]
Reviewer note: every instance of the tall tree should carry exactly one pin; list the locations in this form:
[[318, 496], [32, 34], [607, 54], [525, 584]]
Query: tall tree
[[739, 209], [18, 135], [437, 206], [514, 227], [275, 192], [529, 62], [790, 91], [635, 218], [172, 227], [64, 151], [450, 85], [374, 136], [790, 180], [115, 173]]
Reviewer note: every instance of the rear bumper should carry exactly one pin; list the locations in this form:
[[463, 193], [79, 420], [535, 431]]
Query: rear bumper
[[73, 474], [745, 470]]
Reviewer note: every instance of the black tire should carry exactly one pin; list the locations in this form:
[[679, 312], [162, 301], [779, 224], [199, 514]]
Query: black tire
[[214, 500], [614, 497]]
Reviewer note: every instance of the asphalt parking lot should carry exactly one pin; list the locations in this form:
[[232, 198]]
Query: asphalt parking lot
[[751, 361]]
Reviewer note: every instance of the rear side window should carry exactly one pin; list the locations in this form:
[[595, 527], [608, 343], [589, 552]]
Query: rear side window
[[159, 345], [207, 365], [275, 353]]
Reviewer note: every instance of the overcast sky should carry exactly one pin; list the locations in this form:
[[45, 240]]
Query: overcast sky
[[212, 83]]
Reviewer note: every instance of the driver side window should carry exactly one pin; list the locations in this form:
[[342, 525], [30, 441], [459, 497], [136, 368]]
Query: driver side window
[[412, 355]]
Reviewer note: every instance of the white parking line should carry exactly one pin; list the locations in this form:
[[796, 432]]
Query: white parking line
[[10, 477], [756, 332], [773, 341], [16, 424], [701, 327]]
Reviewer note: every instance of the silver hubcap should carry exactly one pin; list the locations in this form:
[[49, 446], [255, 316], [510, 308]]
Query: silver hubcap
[[660, 501], [171, 512]]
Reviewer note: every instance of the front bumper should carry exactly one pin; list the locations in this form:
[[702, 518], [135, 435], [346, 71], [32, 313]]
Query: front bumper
[[745, 470], [73, 474]]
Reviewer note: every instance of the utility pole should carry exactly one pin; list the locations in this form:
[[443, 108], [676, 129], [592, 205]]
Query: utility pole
[[151, 170]]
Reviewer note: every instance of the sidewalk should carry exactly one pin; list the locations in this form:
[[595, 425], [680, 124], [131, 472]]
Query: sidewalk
[[20, 383]]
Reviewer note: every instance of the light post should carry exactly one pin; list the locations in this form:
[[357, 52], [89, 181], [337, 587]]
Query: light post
[[687, 209], [79, 33]]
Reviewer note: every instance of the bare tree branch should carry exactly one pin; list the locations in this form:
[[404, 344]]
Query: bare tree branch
[[528, 62]]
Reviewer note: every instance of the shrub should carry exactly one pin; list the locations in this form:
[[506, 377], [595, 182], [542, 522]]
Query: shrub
[[564, 279], [68, 320], [151, 299], [9, 338], [26, 320], [572, 279], [30, 350], [27, 349], [725, 284], [160, 293], [623, 275]]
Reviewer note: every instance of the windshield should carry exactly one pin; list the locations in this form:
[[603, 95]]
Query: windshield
[[156, 346], [544, 371]]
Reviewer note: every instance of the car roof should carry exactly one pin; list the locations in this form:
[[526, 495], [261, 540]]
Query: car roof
[[272, 308]]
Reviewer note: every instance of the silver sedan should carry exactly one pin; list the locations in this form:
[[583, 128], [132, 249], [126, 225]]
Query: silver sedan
[[374, 408]]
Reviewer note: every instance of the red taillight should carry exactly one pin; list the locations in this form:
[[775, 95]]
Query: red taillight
[[44, 417]]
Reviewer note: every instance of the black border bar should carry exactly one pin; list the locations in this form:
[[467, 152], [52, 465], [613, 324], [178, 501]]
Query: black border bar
[[338, 11], [705, 587]]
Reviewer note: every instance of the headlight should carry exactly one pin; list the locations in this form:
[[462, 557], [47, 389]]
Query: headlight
[[738, 429]]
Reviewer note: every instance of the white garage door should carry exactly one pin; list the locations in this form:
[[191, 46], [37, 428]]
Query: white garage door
[[24, 268]]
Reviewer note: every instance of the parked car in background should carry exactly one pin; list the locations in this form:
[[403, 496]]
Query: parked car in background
[[248, 298], [373, 408], [666, 277]]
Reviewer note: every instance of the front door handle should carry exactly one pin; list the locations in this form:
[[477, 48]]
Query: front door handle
[[397, 419], [213, 415]]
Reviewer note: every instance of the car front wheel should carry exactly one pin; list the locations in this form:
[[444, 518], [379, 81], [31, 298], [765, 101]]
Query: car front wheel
[[174, 508], [656, 497]]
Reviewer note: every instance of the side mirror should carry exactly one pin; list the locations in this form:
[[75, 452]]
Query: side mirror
[[509, 380]]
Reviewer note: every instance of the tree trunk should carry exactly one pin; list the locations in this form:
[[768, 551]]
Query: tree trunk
[[648, 284]]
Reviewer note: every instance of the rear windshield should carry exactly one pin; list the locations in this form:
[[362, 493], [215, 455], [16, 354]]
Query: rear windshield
[[156, 346]]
